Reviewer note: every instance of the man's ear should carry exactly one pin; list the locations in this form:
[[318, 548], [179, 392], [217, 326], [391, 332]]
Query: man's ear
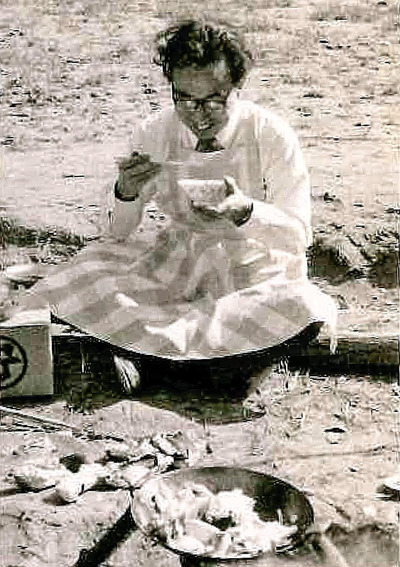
[[242, 81], [248, 67]]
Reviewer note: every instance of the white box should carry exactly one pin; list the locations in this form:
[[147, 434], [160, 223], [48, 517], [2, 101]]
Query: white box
[[26, 364]]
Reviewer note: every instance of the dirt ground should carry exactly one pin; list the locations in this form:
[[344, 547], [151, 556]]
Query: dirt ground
[[336, 439], [75, 77]]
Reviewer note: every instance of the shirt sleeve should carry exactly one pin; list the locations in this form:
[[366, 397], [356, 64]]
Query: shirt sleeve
[[127, 212], [139, 143], [285, 175]]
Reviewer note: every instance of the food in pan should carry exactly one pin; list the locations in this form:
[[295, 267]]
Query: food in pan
[[195, 520]]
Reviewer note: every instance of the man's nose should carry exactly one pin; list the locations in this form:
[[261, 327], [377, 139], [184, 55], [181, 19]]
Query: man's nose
[[201, 107], [201, 104]]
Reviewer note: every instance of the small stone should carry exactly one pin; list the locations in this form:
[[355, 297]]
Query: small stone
[[73, 462], [335, 429], [328, 197]]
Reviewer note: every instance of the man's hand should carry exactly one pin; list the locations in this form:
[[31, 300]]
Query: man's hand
[[134, 172], [236, 207]]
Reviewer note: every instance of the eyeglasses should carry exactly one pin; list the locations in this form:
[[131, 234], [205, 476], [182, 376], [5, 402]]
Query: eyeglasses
[[214, 102]]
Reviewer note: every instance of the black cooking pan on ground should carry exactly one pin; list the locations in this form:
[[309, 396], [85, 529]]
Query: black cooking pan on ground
[[274, 500]]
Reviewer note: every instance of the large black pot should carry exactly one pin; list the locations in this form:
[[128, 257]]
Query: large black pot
[[274, 499]]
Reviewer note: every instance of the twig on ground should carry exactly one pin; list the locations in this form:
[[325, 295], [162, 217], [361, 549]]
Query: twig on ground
[[335, 455], [38, 419], [49, 422]]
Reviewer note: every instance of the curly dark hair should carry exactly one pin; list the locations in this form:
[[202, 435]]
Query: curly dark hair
[[194, 43]]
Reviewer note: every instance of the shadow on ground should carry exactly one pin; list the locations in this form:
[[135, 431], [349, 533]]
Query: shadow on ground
[[85, 377]]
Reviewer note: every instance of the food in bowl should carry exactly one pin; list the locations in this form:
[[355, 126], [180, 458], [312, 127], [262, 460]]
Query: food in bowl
[[204, 191]]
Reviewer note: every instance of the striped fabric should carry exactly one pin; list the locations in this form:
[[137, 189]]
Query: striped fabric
[[192, 295]]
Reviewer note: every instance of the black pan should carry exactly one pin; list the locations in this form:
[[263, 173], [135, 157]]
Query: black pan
[[274, 498], [270, 494]]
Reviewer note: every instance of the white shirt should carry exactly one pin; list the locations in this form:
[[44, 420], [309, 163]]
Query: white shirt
[[264, 155]]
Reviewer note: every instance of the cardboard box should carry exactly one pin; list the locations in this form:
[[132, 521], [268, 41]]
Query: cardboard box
[[26, 364]]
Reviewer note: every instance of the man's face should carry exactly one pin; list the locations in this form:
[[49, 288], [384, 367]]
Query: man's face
[[200, 96]]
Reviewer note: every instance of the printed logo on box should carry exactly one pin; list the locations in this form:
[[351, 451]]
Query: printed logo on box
[[13, 362]]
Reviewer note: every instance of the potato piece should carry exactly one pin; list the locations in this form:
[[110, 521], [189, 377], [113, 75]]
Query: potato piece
[[206, 533], [32, 477], [189, 544], [230, 506]]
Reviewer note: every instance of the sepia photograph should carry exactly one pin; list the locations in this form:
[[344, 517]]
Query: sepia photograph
[[199, 283]]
